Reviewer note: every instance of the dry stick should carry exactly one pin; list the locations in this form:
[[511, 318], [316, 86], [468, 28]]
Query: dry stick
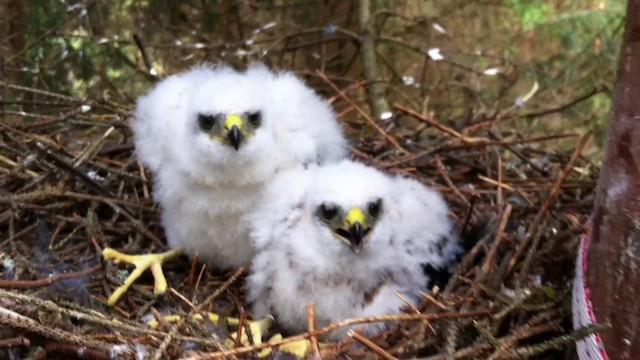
[[533, 350], [446, 178], [371, 121], [191, 277], [526, 263], [563, 107], [145, 180], [339, 324], [91, 149], [434, 300], [97, 318], [32, 284], [165, 343], [77, 351], [14, 164], [502, 185], [143, 52], [241, 324], [14, 320], [474, 350], [38, 91], [517, 153], [371, 345], [412, 157], [219, 290], [506, 213], [65, 166], [550, 199], [13, 342], [445, 129], [311, 321], [499, 197], [505, 345], [200, 275], [467, 217], [447, 147]]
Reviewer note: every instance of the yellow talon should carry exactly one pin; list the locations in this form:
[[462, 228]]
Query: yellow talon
[[141, 263], [257, 327], [300, 348]]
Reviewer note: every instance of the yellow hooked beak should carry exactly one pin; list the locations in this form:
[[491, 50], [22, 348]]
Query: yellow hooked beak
[[356, 223], [233, 124]]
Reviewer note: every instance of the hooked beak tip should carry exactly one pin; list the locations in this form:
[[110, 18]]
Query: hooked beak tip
[[235, 137], [357, 234]]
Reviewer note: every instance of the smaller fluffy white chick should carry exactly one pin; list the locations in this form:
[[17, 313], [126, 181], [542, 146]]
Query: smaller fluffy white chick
[[214, 137], [345, 236]]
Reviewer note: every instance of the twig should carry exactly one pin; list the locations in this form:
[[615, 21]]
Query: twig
[[75, 351], [506, 213], [145, 56], [371, 121], [445, 129], [502, 185], [311, 321], [339, 324], [97, 318], [446, 178], [550, 199], [371, 345], [165, 342], [13, 342], [32, 284], [14, 320], [241, 326], [555, 343]]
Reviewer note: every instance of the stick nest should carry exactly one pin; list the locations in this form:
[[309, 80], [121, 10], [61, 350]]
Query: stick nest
[[70, 185]]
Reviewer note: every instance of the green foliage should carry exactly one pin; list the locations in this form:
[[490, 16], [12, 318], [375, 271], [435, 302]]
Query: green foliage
[[531, 13]]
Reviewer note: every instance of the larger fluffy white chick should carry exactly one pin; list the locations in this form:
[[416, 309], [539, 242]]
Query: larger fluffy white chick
[[345, 236], [214, 138]]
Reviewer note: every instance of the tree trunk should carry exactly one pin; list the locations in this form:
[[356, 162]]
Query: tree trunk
[[614, 253]]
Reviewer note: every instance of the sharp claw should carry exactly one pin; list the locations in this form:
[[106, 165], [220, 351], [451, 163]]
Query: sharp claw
[[141, 263]]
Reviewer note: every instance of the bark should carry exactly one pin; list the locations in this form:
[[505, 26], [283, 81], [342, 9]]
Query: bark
[[377, 100], [614, 253]]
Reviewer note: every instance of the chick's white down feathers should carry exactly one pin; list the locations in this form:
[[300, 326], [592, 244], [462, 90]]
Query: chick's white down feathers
[[300, 260], [205, 186]]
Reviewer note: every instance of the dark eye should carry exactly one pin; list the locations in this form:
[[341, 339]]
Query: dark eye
[[255, 118], [374, 208], [206, 122], [328, 212]]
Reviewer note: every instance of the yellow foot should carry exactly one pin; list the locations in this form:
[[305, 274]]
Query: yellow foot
[[257, 328], [299, 348], [141, 263]]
